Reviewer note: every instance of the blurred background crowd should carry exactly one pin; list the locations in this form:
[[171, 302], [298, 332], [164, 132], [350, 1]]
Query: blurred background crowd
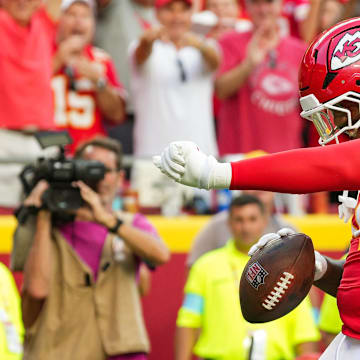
[[144, 73], [221, 73]]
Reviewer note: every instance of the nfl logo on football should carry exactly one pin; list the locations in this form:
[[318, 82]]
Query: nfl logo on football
[[256, 275]]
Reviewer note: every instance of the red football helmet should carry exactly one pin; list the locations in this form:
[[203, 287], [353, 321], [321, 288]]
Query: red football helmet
[[329, 81]]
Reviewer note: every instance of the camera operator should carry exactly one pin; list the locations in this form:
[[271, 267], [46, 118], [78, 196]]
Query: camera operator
[[80, 295]]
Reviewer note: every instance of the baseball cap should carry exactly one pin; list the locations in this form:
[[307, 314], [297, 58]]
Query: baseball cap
[[161, 3], [67, 3]]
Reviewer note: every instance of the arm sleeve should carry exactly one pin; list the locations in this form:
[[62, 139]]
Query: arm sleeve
[[329, 168]]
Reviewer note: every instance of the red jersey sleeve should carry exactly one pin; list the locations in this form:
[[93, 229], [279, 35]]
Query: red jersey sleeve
[[329, 168], [111, 74], [100, 56]]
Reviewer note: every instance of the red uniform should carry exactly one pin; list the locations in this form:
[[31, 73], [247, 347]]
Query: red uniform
[[348, 291], [301, 171], [75, 104], [333, 167]]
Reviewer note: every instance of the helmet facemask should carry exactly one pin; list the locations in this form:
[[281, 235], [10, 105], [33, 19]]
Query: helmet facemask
[[325, 117]]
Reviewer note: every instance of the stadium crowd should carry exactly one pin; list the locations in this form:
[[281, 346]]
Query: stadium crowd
[[127, 77]]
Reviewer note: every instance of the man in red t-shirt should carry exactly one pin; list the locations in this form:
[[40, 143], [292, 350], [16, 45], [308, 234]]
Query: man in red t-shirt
[[85, 85], [26, 35], [27, 30], [257, 83]]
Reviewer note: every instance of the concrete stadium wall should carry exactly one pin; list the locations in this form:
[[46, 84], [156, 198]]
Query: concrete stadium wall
[[330, 236]]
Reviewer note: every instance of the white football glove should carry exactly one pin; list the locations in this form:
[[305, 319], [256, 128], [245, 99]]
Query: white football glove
[[185, 163], [320, 261], [347, 206], [269, 237]]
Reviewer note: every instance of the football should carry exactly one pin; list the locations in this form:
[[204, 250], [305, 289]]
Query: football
[[277, 278]]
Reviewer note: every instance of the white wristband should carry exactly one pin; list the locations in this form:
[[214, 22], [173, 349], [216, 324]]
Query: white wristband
[[221, 176], [320, 266]]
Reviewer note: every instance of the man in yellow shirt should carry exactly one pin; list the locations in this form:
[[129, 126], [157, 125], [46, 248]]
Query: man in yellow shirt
[[210, 323], [11, 326]]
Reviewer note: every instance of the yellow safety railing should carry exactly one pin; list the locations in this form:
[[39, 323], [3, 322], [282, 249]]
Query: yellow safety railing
[[328, 232]]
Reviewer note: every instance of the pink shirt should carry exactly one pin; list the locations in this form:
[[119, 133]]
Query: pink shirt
[[264, 113], [25, 72], [88, 238]]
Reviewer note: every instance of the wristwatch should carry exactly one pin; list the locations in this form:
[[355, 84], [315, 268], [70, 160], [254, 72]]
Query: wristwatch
[[101, 83], [116, 227]]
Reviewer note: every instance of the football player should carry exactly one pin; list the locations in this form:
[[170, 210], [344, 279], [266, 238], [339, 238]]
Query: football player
[[329, 81]]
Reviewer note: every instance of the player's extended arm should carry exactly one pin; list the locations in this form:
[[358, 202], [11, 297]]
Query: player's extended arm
[[334, 167]]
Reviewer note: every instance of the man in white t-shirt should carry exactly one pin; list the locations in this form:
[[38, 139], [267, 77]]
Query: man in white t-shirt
[[119, 23], [171, 81]]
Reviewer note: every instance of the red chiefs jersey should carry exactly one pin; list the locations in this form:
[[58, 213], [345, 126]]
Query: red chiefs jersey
[[76, 109], [349, 289]]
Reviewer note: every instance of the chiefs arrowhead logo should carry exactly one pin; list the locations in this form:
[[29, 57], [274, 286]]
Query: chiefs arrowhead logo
[[256, 274], [346, 52]]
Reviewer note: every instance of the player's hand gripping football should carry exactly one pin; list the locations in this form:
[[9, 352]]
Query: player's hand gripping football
[[185, 163], [320, 262]]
